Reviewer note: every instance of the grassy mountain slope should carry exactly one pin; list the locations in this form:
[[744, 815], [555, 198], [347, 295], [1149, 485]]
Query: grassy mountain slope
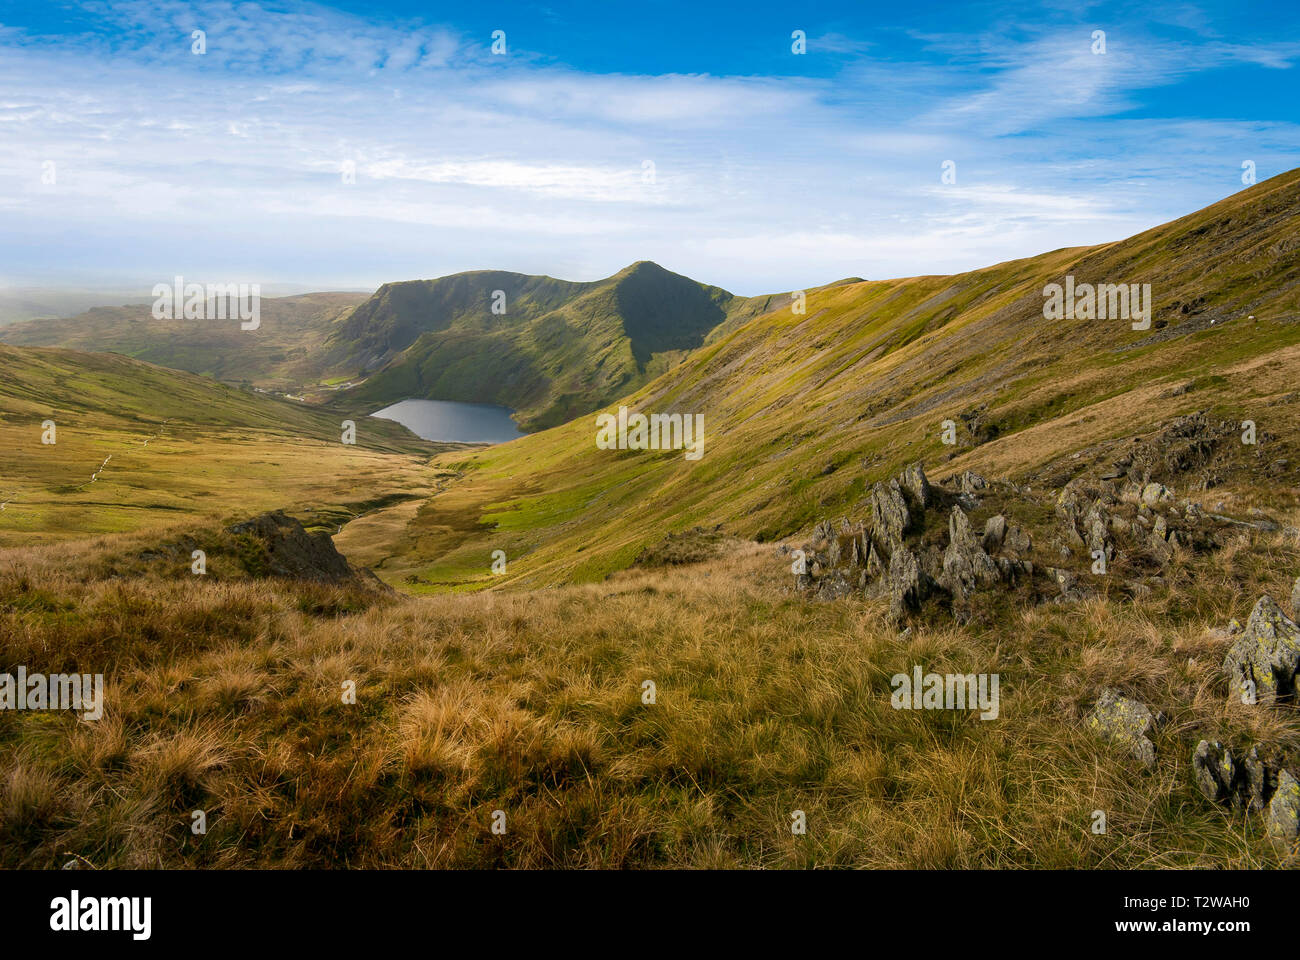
[[560, 350], [172, 445], [803, 412], [286, 352], [223, 691]]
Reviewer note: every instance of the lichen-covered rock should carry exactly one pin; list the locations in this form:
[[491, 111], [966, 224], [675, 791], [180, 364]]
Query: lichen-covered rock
[[1159, 547], [1262, 662], [1215, 771], [1125, 723], [972, 483], [1095, 532], [834, 586], [1295, 598], [874, 565], [1259, 778], [1067, 583], [1155, 493], [1283, 822], [914, 483]]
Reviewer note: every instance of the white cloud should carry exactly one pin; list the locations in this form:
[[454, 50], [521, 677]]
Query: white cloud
[[760, 183]]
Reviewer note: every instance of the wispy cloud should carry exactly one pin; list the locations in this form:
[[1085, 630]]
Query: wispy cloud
[[235, 159]]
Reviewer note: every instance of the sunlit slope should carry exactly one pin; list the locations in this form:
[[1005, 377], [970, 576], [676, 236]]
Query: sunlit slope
[[285, 352], [802, 412], [163, 445]]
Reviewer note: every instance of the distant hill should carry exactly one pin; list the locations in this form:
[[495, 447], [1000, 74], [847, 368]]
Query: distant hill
[[560, 349], [285, 353]]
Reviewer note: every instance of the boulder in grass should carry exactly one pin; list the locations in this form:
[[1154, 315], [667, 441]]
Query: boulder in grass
[[1125, 723], [1262, 662], [1215, 771], [1283, 822]]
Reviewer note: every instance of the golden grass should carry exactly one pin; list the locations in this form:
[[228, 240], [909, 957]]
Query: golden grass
[[531, 703]]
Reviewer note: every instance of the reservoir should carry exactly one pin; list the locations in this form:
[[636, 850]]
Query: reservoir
[[450, 421]]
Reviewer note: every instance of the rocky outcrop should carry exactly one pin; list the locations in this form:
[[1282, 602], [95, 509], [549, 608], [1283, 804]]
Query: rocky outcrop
[[1193, 448], [892, 552], [969, 535], [1261, 664], [1125, 723], [915, 485], [907, 584], [966, 564], [1246, 783], [888, 516], [276, 545]]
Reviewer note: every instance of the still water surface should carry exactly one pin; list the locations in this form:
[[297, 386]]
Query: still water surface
[[448, 420]]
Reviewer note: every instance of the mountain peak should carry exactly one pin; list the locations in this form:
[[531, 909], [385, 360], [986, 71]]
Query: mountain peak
[[642, 268]]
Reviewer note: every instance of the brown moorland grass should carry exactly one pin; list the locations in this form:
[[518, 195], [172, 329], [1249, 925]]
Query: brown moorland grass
[[224, 694]]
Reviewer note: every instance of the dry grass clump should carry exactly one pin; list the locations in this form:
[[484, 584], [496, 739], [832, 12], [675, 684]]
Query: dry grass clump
[[231, 698]]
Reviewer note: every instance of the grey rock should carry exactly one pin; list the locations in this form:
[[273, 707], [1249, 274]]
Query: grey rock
[[1295, 598], [1125, 723], [1095, 530], [1154, 493], [995, 531], [915, 485], [971, 483], [874, 564], [1160, 548], [1066, 582], [1258, 781], [1215, 771], [1265, 656], [889, 516], [907, 585], [965, 564], [1283, 822], [834, 586], [1018, 542]]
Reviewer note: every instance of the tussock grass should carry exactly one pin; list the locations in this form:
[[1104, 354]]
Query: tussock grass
[[226, 696]]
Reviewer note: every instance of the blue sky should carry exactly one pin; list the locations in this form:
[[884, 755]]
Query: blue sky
[[686, 133]]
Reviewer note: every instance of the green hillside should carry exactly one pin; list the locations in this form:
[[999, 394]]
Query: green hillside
[[803, 412]]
